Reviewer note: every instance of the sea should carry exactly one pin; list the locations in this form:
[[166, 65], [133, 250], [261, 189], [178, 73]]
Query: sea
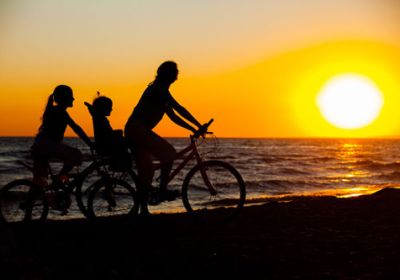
[[271, 168]]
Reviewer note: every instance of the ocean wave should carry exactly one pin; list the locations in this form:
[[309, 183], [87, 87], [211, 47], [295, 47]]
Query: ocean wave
[[395, 175], [8, 169], [280, 183], [12, 155], [321, 159], [393, 165], [292, 171], [273, 159], [374, 165], [224, 157]]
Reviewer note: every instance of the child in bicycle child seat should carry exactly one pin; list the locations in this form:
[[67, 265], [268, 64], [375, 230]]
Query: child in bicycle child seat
[[48, 141], [108, 142]]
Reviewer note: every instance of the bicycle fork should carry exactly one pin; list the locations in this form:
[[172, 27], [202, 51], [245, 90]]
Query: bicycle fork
[[203, 172]]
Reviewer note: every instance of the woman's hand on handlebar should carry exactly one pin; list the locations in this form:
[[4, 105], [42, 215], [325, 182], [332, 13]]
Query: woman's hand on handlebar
[[203, 130]]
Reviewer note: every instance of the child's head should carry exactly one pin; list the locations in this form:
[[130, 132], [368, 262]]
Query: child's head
[[102, 106], [63, 96]]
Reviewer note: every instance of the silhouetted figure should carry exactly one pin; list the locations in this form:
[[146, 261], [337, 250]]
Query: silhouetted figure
[[154, 103], [108, 142], [48, 142]]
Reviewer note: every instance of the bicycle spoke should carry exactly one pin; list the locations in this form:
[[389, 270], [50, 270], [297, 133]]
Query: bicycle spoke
[[218, 190], [19, 203], [111, 197]]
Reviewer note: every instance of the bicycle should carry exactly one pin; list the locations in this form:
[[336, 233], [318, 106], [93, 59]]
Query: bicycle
[[209, 185], [23, 201]]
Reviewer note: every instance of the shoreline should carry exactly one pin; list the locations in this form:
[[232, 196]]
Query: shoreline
[[310, 237]]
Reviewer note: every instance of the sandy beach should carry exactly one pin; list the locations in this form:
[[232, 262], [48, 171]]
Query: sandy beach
[[306, 238]]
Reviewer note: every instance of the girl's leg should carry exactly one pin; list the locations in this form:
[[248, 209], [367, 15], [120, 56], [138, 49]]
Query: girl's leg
[[40, 164], [70, 156], [40, 172]]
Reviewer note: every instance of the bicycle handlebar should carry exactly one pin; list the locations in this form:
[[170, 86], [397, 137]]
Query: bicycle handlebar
[[203, 130]]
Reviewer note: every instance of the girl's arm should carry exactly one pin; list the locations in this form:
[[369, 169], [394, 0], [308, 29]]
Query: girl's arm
[[79, 131]]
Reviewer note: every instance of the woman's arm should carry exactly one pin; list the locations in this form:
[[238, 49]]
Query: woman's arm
[[178, 120], [182, 111]]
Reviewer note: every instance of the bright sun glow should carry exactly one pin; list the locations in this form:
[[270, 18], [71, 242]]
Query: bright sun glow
[[350, 101]]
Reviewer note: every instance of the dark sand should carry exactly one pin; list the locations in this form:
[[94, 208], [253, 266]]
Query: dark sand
[[307, 238]]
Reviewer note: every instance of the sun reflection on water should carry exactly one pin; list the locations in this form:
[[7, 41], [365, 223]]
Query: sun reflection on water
[[348, 151]]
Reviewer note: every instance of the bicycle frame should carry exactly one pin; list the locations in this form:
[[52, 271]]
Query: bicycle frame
[[80, 176], [192, 148], [188, 154], [77, 177]]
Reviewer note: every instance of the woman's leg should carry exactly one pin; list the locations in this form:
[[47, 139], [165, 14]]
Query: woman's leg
[[146, 143], [144, 166], [166, 154], [145, 171]]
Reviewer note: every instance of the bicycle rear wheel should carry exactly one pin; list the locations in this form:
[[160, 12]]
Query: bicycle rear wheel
[[21, 201], [226, 198], [86, 184], [112, 197]]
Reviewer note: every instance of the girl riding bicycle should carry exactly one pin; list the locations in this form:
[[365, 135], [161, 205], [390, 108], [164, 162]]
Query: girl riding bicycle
[[48, 141]]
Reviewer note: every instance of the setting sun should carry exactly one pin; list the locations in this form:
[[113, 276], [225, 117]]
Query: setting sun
[[350, 101]]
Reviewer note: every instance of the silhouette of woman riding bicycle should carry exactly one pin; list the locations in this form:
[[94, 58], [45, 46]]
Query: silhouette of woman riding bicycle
[[154, 103]]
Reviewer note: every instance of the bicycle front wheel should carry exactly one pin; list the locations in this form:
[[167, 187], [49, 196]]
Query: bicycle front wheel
[[214, 191], [21, 201], [112, 197]]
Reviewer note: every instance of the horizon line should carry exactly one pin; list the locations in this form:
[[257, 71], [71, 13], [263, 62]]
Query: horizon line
[[394, 137]]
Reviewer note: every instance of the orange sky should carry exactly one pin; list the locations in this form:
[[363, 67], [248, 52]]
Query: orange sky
[[254, 66]]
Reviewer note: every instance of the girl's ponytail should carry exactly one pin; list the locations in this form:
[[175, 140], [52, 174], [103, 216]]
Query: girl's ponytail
[[49, 105], [59, 95]]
